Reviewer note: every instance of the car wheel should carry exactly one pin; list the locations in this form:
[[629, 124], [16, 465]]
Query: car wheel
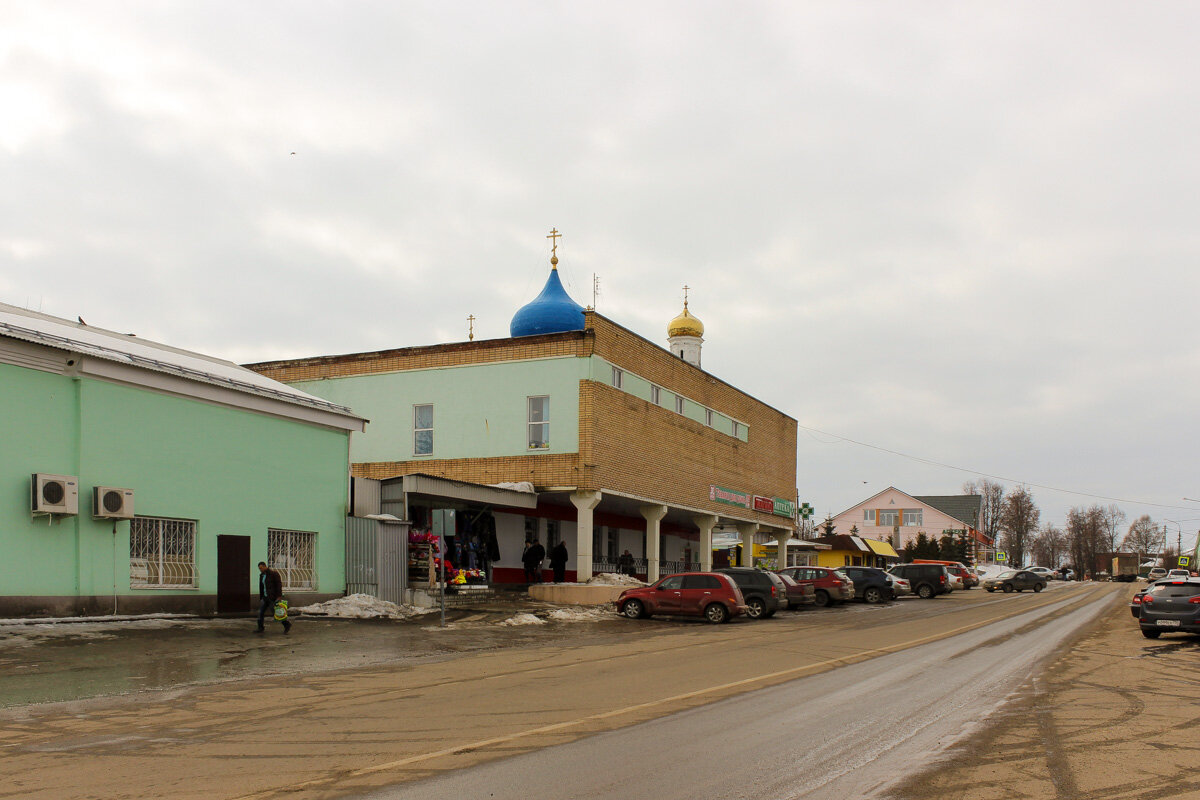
[[821, 598], [716, 613], [1150, 633], [1037, 587], [755, 608], [1008, 587], [872, 595], [925, 592], [633, 609]]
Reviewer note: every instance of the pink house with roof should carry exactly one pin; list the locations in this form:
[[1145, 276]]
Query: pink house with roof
[[898, 518]]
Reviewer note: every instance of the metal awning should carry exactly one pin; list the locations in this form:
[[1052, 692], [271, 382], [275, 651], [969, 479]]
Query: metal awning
[[881, 548], [468, 492]]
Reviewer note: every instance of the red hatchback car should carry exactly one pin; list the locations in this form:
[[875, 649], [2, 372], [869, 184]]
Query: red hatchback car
[[832, 587], [688, 594]]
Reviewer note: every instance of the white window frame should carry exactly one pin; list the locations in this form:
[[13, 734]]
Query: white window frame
[[293, 554], [618, 378], [892, 515], [417, 431], [708, 417], [544, 423], [869, 515], [736, 429], [680, 403], [904, 517], [150, 539], [655, 395]]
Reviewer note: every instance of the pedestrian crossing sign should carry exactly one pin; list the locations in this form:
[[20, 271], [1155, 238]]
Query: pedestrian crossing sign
[[1185, 561]]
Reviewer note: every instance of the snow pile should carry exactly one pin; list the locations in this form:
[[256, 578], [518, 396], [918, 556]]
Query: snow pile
[[361, 606], [522, 619], [613, 579], [578, 614]]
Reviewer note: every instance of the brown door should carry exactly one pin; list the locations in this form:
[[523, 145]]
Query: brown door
[[233, 574]]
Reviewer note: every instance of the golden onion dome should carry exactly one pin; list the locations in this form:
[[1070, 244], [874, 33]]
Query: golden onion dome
[[685, 324]]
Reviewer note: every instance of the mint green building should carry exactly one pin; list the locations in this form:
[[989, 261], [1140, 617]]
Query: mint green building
[[137, 477]]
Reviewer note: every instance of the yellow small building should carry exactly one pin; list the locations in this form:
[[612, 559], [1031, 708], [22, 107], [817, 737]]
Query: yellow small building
[[855, 551]]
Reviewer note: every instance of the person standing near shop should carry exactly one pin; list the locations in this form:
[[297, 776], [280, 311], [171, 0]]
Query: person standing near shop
[[558, 561], [270, 591], [534, 556]]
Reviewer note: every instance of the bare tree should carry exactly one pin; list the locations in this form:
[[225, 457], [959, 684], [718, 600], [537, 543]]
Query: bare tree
[[1111, 518], [1144, 536], [993, 504], [1049, 545], [1085, 537], [1019, 517]]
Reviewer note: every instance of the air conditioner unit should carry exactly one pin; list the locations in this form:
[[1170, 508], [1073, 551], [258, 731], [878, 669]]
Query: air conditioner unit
[[54, 494], [110, 502]]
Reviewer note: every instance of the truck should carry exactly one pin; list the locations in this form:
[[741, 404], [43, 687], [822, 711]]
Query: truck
[[1124, 569]]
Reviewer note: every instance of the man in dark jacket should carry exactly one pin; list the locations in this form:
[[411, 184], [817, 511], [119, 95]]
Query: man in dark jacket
[[270, 591], [533, 562], [558, 561]]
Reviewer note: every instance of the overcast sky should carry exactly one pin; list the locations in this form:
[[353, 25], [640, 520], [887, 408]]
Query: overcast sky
[[962, 232]]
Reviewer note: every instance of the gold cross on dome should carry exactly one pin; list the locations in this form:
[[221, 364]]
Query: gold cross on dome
[[685, 291], [471, 322], [554, 237]]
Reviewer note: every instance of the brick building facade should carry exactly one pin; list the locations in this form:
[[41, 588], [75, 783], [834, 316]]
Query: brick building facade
[[638, 437]]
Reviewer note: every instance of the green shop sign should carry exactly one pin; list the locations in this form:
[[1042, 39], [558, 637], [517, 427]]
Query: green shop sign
[[784, 508], [730, 497]]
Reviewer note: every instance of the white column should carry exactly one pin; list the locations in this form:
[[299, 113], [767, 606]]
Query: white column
[[747, 530], [653, 515], [706, 523], [585, 502], [781, 539]]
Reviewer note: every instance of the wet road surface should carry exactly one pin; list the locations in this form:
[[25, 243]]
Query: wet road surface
[[848, 733]]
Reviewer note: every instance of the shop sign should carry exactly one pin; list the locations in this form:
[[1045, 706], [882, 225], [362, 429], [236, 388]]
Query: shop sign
[[729, 497], [764, 504], [783, 508]]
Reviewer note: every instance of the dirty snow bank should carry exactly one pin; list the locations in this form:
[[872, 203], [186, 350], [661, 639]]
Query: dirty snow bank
[[362, 606], [522, 619], [613, 579], [579, 614]]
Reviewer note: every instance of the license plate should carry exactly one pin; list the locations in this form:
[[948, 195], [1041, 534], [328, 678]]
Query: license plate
[[1167, 623]]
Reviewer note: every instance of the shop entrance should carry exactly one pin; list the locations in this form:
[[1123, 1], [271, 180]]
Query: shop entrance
[[233, 574]]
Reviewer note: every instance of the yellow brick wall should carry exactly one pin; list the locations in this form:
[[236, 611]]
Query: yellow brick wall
[[648, 451], [541, 470], [487, 351]]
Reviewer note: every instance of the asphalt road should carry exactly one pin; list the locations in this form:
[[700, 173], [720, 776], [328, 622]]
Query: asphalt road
[[848, 733], [554, 689]]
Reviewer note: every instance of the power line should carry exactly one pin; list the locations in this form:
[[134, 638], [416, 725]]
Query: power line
[[933, 463]]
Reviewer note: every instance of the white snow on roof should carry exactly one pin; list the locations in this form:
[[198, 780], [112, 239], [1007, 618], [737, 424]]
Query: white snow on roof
[[75, 337]]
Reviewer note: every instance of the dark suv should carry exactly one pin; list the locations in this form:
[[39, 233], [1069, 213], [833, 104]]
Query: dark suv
[[870, 585], [927, 580], [765, 593]]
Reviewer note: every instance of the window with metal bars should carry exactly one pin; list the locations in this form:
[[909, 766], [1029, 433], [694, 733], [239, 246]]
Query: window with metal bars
[[162, 553], [293, 555]]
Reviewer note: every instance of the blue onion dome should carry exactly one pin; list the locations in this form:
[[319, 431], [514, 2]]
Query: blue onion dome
[[552, 311]]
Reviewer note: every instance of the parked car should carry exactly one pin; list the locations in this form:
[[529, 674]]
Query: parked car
[[1044, 572], [763, 591], [798, 594], [927, 580], [870, 585], [1015, 580], [956, 581], [967, 576], [1171, 606], [900, 587], [689, 594], [1178, 573], [1155, 574], [1135, 602], [832, 586]]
